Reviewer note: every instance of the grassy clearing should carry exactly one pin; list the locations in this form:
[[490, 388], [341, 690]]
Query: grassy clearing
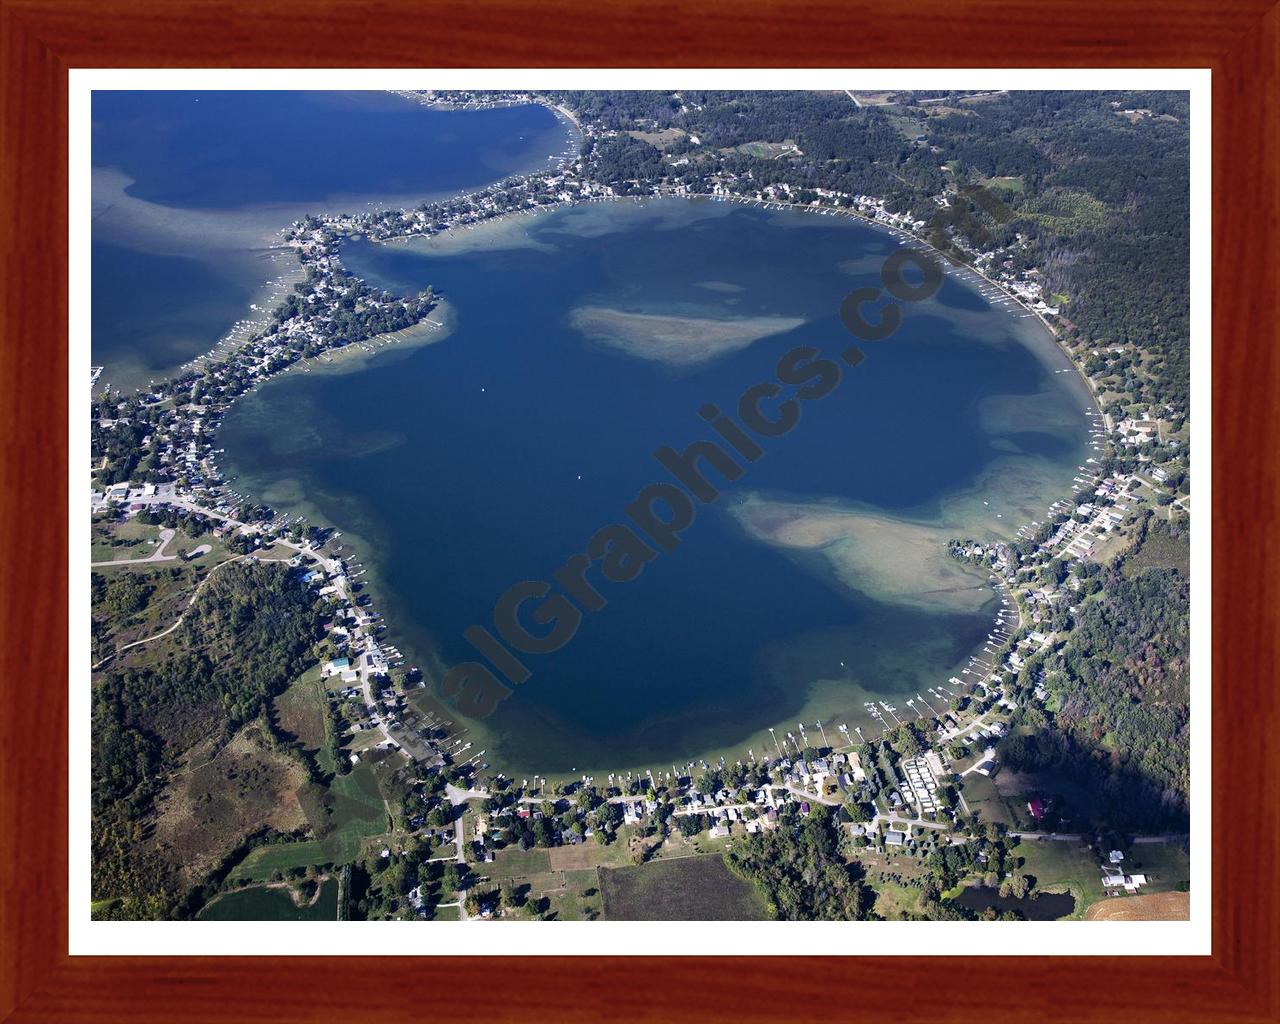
[[118, 540], [303, 712], [1166, 865], [220, 798], [687, 889], [1159, 550], [896, 902], [578, 898], [514, 862], [274, 903], [342, 817], [988, 802], [1007, 184], [589, 855], [1114, 544], [660, 139], [769, 150], [1060, 866]]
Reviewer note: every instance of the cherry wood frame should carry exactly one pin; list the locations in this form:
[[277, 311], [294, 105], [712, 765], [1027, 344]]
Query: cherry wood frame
[[41, 39]]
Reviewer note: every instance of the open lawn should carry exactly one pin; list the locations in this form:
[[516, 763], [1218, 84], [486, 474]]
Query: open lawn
[[769, 150], [1007, 184], [514, 862], [571, 895], [1110, 546], [111, 541], [579, 898], [589, 855], [896, 902], [660, 139], [687, 889], [988, 802], [1060, 866], [1166, 865], [274, 903]]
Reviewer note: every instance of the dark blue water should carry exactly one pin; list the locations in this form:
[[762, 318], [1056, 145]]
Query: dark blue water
[[228, 150], [157, 311], [492, 456], [217, 175]]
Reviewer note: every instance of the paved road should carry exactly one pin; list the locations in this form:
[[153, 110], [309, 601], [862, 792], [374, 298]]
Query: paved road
[[1068, 837], [458, 798]]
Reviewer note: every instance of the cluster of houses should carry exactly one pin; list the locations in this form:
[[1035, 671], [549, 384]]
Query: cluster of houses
[[1116, 880]]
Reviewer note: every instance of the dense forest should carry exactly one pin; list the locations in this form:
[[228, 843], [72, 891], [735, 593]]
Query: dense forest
[[244, 641], [801, 871], [1122, 692]]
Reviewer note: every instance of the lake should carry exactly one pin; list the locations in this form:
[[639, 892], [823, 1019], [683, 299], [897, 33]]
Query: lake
[[192, 189], [584, 340]]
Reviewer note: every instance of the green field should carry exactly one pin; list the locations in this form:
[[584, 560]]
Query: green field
[[987, 802], [896, 902], [345, 815], [1166, 865], [514, 862], [1007, 184], [1060, 866], [768, 150], [685, 889], [659, 139], [264, 903]]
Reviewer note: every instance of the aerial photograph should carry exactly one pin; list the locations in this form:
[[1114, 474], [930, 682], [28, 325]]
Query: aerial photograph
[[665, 505]]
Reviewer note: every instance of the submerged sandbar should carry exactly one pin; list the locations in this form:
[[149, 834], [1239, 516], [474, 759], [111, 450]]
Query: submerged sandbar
[[677, 340]]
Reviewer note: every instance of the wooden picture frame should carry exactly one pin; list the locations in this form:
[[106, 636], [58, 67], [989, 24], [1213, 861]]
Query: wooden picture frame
[[42, 39]]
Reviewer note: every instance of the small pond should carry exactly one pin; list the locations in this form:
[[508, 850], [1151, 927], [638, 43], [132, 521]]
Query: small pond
[[1044, 906]]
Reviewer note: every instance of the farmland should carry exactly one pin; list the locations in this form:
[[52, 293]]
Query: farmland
[[684, 889], [1166, 906]]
